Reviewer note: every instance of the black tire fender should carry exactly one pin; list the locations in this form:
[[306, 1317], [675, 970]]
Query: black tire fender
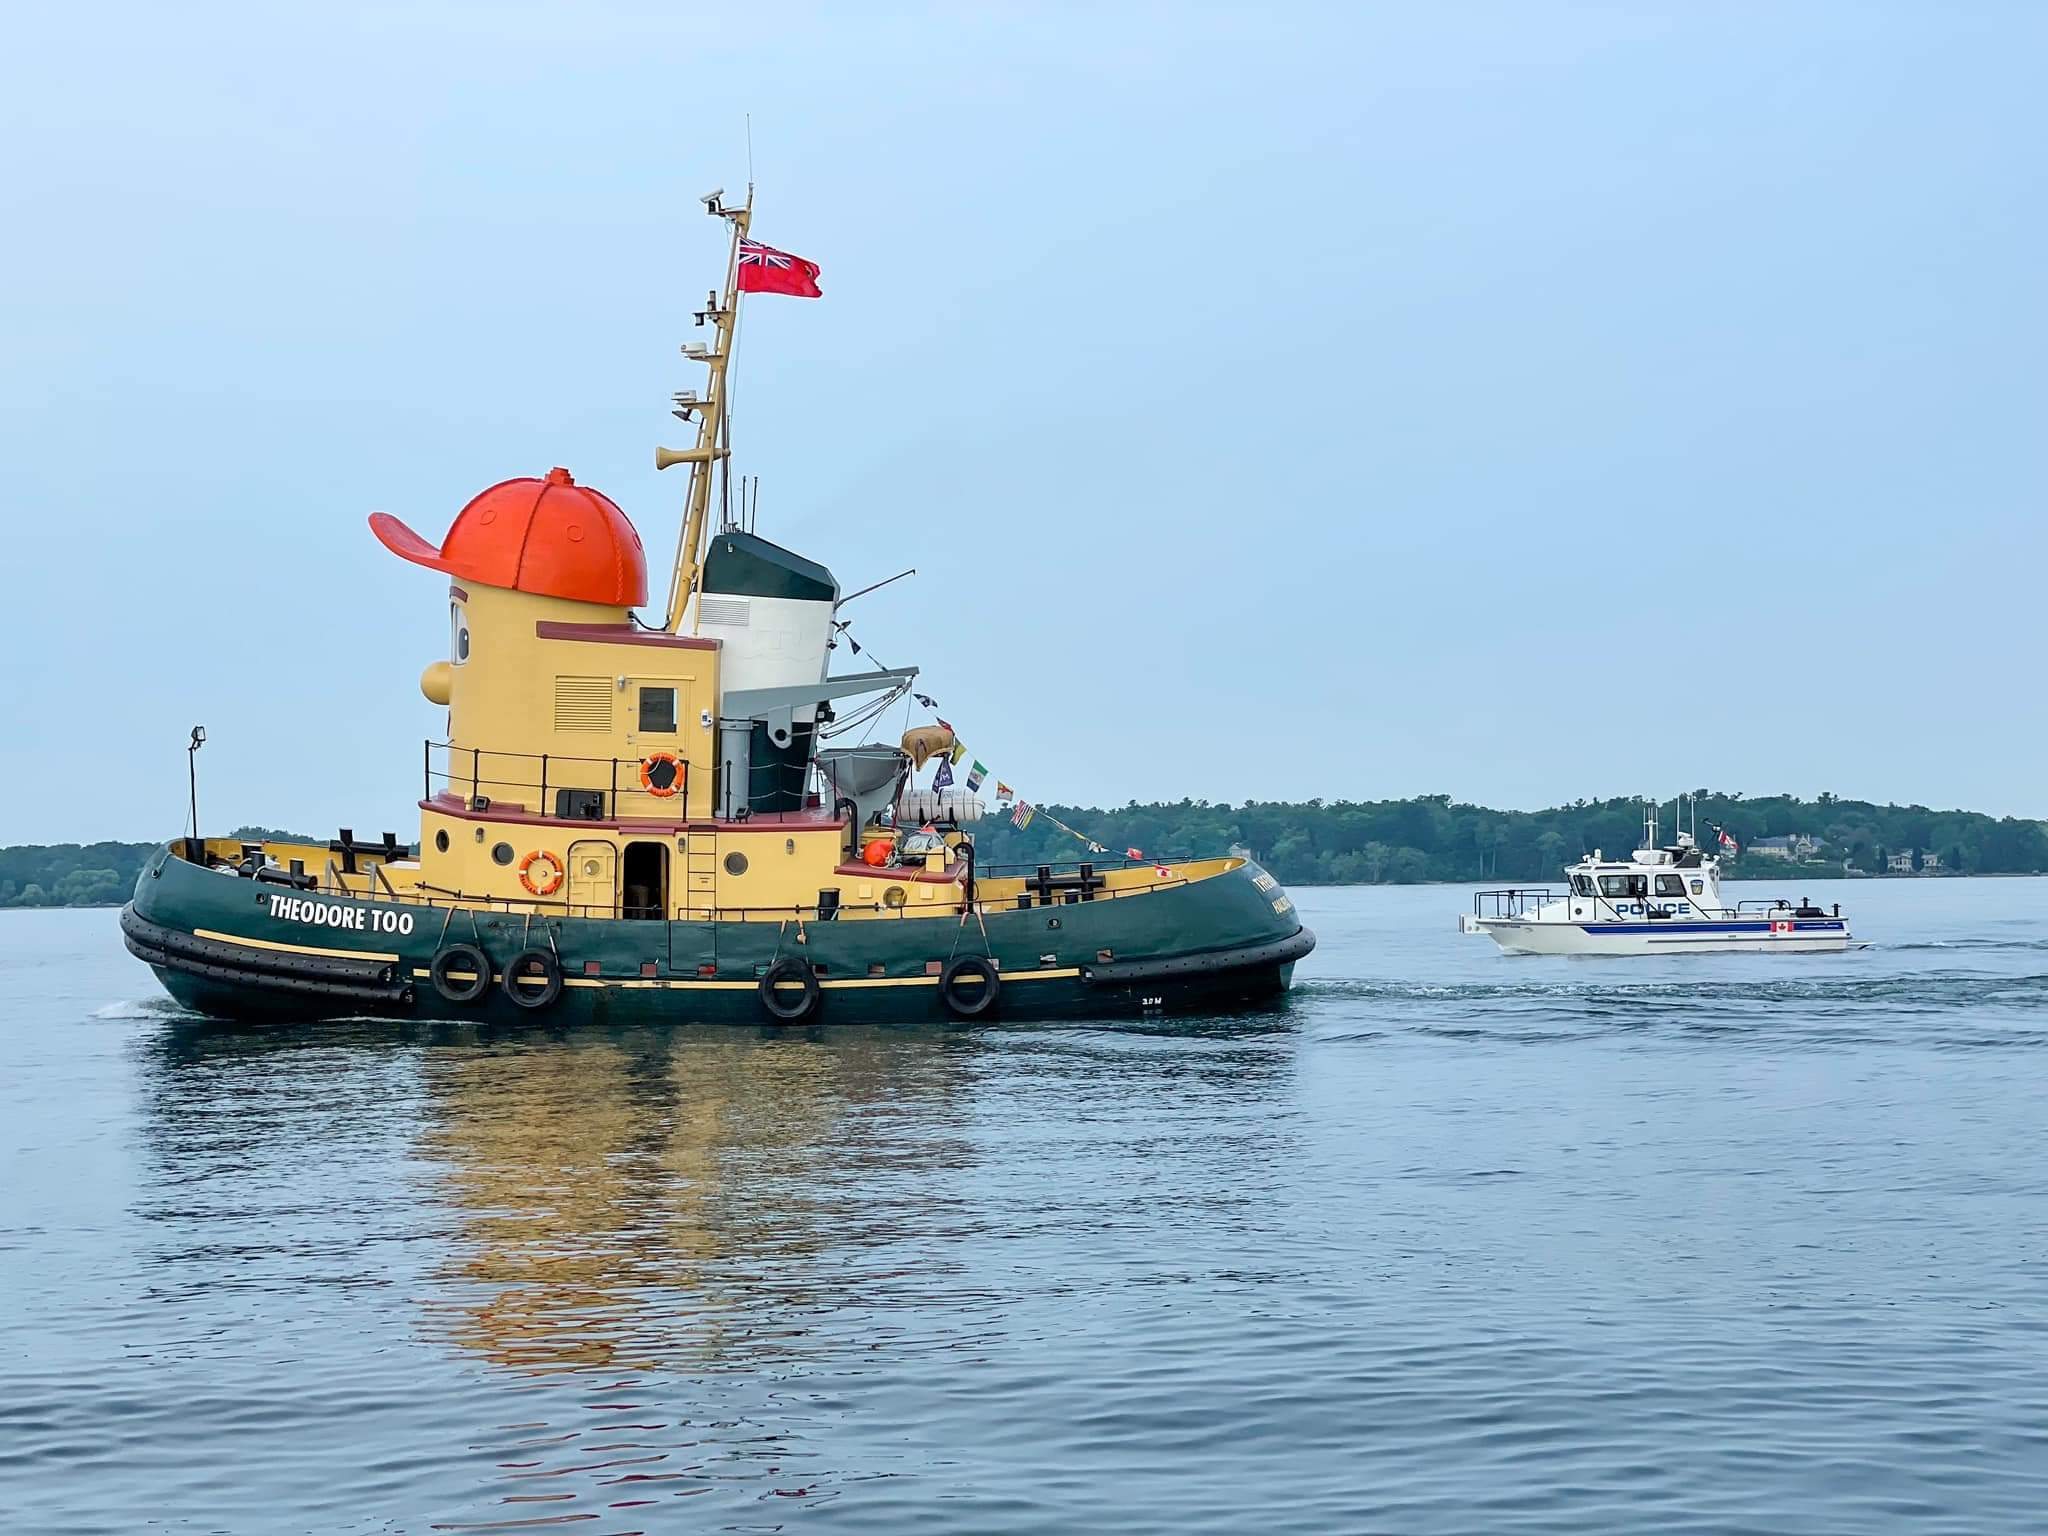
[[777, 1001], [461, 957], [985, 984], [533, 978]]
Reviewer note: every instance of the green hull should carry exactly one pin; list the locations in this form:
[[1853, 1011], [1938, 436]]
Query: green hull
[[234, 947]]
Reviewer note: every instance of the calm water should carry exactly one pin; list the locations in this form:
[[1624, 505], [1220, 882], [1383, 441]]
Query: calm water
[[1450, 1243]]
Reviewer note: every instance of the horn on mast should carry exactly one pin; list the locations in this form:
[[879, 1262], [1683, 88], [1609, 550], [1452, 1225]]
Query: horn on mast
[[710, 417]]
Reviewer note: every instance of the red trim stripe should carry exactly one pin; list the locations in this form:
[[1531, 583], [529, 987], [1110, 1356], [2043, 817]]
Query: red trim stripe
[[621, 634]]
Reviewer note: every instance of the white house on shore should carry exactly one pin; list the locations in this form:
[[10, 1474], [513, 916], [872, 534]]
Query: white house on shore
[[1797, 848]]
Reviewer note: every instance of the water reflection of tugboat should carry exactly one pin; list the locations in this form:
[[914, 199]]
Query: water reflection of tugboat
[[1660, 900], [642, 822], [655, 1199]]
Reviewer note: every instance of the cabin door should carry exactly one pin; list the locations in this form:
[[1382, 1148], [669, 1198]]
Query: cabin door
[[593, 879], [657, 713]]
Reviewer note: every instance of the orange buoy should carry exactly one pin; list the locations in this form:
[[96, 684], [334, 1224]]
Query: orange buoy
[[549, 879], [660, 774], [877, 851]]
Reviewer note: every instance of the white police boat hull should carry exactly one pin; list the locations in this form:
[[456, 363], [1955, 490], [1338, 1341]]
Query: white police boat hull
[[1785, 935]]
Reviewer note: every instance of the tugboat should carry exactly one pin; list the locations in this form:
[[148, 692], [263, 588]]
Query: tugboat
[[636, 822], [1660, 900]]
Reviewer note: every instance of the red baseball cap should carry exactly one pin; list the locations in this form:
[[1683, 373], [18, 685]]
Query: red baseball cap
[[551, 537]]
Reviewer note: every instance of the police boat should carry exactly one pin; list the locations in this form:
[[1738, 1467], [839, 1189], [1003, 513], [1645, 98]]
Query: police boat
[[1658, 901]]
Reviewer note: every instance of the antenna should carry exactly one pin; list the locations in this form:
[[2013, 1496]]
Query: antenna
[[873, 586]]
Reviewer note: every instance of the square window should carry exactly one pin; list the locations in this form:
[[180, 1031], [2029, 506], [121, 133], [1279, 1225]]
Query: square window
[[658, 709]]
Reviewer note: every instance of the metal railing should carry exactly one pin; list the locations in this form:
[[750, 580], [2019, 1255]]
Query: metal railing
[[1513, 902], [470, 771]]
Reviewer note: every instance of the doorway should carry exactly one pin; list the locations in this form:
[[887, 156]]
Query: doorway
[[644, 882]]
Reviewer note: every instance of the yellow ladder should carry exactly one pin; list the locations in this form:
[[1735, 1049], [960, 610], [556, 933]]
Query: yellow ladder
[[700, 875]]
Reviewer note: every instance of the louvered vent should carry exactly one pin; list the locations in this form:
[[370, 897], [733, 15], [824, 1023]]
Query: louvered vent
[[583, 704], [729, 611]]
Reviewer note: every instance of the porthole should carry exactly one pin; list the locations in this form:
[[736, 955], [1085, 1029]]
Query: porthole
[[501, 853], [735, 863], [590, 868], [441, 841], [894, 896]]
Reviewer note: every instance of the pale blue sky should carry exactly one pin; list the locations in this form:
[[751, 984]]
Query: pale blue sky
[[1517, 401]]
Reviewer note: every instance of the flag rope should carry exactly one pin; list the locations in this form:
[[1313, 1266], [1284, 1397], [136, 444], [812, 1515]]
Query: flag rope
[[1024, 813]]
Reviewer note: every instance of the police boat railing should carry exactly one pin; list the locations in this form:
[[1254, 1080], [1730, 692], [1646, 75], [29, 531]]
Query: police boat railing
[[1514, 902]]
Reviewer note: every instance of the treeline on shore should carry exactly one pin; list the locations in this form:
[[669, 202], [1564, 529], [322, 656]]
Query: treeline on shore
[[1336, 842], [87, 874], [1432, 837]]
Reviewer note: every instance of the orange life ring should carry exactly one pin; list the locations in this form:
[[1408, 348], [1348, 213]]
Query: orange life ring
[[550, 880], [652, 765]]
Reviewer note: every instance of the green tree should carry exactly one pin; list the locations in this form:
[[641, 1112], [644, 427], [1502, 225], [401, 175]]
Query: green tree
[[91, 888]]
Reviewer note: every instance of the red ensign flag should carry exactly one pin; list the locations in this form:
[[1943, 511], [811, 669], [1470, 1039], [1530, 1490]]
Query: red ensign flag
[[763, 269]]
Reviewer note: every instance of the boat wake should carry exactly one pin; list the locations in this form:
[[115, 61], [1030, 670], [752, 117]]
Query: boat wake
[[1973, 944], [142, 1008], [1816, 1009]]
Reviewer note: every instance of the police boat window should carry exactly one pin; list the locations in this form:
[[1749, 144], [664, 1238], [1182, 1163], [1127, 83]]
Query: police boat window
[[658, 709], [458, 634], [1582, 885], [1670, 885], [1614, 885]]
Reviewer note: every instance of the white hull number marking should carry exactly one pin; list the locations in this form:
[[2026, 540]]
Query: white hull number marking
[[332, 914]]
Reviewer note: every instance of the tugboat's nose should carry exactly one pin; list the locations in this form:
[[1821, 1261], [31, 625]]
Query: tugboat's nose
[[434, 682]]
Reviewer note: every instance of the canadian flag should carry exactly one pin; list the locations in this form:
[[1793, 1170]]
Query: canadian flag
[[1726, 841]]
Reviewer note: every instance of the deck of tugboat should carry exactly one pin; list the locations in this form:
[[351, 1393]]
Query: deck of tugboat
[[388, 873]]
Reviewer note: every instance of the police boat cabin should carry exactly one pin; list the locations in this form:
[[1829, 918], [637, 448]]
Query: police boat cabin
[[1660, 900], [634, 820]]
